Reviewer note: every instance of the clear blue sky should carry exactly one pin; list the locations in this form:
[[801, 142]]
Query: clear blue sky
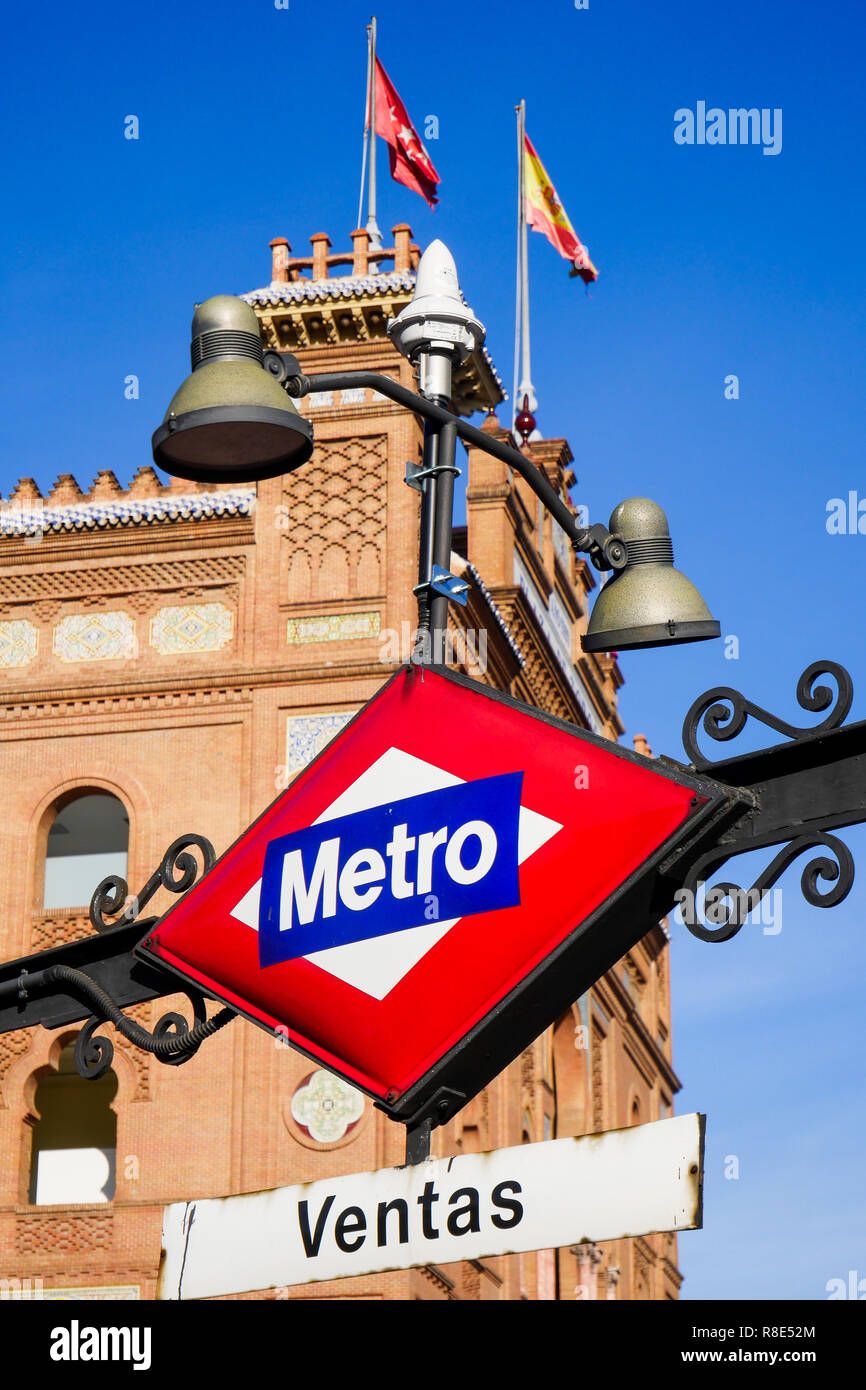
[[712, 260]]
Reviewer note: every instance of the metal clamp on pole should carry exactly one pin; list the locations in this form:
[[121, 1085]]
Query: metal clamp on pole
[[416, 473], [436, 584]]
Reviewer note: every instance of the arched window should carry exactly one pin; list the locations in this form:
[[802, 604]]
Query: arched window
[[88, 840], [74, 1138]]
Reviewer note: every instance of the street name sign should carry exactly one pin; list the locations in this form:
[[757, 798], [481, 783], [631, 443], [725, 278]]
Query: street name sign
[[435, 888], [626, 1182]]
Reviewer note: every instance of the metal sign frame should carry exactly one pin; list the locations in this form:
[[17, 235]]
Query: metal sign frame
[[547, 990], [795, 795]]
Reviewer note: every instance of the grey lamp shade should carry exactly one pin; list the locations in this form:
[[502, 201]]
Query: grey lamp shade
[[230, 420], [648, 603]]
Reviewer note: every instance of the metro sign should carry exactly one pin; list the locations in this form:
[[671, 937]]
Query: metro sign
[[318, 887], [435, 888]]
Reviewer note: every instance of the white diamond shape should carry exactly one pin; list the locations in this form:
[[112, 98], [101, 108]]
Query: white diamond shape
[[375, 966]]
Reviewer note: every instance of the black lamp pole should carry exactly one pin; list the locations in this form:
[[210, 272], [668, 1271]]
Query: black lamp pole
[[796, 794]]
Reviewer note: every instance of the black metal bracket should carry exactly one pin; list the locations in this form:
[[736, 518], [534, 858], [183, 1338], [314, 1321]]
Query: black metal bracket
[[282, 365], [418, 1139], [794, 795], [803, 790], [95, 977], [416, 473]]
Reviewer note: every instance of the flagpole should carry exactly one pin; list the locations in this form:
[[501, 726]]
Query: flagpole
[[372, 224], [366, 131], [518, 278], [525, 388]]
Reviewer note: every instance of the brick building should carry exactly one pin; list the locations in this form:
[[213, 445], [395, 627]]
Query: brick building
[[172, 655]]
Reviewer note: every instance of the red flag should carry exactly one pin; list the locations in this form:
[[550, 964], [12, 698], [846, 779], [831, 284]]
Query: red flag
[[410, 162]]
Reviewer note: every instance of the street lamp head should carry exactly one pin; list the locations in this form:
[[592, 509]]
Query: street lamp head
[[230, 421], [647, 603], [436, 319]]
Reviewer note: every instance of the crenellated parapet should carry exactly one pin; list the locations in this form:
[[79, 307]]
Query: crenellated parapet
[[106, 505], [309, 310]]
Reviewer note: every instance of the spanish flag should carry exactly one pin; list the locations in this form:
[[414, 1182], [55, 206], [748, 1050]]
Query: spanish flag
[[545, 213]]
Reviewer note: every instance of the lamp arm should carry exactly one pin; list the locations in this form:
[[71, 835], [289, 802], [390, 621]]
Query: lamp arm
[[605, 551]]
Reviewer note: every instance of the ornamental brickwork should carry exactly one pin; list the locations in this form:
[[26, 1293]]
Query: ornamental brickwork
[[188, 649]]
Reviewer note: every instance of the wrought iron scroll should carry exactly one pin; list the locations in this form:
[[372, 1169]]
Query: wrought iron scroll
[[722, 723], [722, 714], [727, 906], [173, 1041], [177, 872]]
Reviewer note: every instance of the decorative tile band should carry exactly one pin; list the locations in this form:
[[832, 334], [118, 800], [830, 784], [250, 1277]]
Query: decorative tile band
[[106, 636], [94, 1293], [332, 627], [33, 517], [19, 641], [191, 627], [308, 734], [335, 287]]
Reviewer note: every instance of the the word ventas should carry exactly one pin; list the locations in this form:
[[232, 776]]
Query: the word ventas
[[533, 1197], [350, 1228]]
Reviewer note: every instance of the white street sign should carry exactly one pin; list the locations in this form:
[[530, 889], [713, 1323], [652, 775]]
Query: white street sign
[[625, 1182]]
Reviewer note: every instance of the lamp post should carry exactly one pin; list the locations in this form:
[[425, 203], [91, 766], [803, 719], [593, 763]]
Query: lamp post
[[230, 422], [436, 331], [234, 419]]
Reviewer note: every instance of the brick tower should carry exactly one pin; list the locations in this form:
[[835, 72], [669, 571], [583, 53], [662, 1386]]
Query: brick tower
[[173, 655]]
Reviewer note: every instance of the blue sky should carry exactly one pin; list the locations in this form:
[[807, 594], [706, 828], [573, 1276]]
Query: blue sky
[[713, 260]]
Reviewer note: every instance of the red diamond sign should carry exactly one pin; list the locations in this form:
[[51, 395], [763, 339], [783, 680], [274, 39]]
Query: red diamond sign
[[437, 885]]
